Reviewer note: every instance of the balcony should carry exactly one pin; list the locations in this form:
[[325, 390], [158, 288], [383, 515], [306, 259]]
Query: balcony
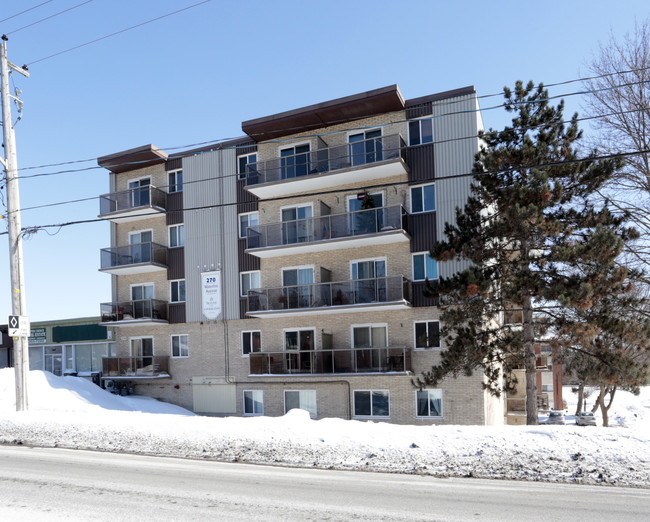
[[325, 362], [135, 368], [375, 226], [360, 295], [138, 258], [328, 167], [134, 313], [133, 204]]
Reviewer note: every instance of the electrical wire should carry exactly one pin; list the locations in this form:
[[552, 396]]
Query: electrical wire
[[117, 32], [48, 17], [25, 11]]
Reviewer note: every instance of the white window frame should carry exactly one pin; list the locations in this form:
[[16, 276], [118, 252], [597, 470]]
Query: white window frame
[[422, 185], [149, 283], [169, 234], [175, 174], [241, 342], [419, 120], [370, 416], [242, 175], [242, 232], [287, 146], [171, 346], [300, 329], [375, 259], [171, 291], [241, 281], [259, 394], [134, 232], [426, 276], [381, 193], [313, 414], [415, 335], [442, 406], [129, 181], [137, 337], [369, 325], [362, 131]]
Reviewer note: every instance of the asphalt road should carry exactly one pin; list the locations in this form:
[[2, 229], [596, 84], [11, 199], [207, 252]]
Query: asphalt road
[[56, 484]]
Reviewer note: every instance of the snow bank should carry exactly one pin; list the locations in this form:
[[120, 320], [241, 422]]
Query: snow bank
[[73, 413]]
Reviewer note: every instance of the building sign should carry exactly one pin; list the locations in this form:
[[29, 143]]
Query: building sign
[[38, 336], [211, 293]]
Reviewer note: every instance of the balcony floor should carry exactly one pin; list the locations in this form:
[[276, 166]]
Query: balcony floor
[[140, 268], [365, 307]]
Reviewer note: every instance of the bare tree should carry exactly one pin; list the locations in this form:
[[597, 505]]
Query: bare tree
[[619, 102]]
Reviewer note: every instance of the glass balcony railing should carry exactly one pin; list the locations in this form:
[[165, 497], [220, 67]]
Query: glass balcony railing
[[140, 309], [354, 360], [140, 253], [327, 159], [132, 199], [142, 366], [347, 225], [321, 295]]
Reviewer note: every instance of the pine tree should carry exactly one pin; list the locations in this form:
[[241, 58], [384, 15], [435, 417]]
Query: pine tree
[[537, 245]]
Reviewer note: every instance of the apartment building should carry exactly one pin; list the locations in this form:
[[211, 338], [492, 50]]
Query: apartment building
[[286, 269]]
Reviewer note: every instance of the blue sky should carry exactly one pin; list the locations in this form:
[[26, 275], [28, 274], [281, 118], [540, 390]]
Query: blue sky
[[195, 76]]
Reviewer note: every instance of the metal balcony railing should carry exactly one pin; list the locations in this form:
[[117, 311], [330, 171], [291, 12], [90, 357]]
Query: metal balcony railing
[[131, 199], [349, 224], [141, 366], [135, 254], [153, 309], [327, 159], [320, 295], [354, 360]]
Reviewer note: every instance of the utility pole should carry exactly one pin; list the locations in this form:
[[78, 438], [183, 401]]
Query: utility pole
[[21, 359]]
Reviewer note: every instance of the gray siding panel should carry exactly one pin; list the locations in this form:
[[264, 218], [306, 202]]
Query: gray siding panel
[[211, 232]]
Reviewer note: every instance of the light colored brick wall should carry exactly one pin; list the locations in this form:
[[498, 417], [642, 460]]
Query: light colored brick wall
[[155, 172]]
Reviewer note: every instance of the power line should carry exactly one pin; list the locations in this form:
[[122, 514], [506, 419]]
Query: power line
[[49, 17], [25, 11], [117, 32]]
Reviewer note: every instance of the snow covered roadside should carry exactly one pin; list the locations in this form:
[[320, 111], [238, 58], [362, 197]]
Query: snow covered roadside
[[73, 413]]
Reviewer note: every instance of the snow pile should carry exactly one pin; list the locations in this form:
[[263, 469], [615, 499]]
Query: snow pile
[[74, 413]]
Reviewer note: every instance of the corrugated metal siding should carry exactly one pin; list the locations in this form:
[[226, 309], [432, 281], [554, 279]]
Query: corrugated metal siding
[[419, 110], [247, 262], [453, 157], [423, 232], [176, 263], [417, 295], [174, 208], [176, 313], [421, 160], [174, 164], [211, 241]]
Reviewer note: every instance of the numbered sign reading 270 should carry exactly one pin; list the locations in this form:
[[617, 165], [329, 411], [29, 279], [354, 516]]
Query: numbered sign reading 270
[[211, 294]]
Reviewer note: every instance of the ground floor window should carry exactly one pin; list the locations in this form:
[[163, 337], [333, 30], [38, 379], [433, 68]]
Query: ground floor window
[[302, 399], [371, 403], [180, 346], [253, 402], [429, 403], [81, 358]]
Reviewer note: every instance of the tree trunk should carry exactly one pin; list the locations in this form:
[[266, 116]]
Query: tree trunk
[[530, 362], [604, 410], [581, 397]]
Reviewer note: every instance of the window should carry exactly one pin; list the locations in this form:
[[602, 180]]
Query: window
[[245, 164], [249, 219], [294, 161], [429, 403], [142, 304], [427, 334], [423, 198], [302, 399], [369, 280], [297, 227], [249, 281], [142, 292], [140, 246], [421, 131], [371, 403], [365, 147], [299, 345], [175, 181], [176, 236], [141, 346], [139, 192], [253, 402], [177, 291], [424, 267], [298, 287], [369, 343], [368, 220], [251, 342], [179, 346]]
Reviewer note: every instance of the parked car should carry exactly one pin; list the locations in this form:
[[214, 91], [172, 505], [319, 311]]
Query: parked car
[[556, 417], [585, 418]]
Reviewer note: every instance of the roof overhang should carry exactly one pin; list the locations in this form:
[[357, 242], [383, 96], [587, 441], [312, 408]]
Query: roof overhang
[[341, 110], [133, 159]]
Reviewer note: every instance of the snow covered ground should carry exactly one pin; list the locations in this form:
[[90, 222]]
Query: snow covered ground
[[72, 412]]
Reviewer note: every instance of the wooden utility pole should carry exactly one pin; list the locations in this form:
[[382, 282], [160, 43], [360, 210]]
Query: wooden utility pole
[[21, 355]]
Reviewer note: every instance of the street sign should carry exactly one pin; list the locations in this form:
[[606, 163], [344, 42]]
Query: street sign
[[18, 326]]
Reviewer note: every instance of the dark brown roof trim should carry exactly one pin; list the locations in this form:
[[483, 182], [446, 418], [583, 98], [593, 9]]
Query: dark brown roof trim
[[340, 110], [132, 159]]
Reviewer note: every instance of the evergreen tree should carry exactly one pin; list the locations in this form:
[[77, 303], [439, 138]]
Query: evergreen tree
[[537, 246]]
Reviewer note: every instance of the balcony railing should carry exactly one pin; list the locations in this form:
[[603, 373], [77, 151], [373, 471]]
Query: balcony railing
[[132, 199], [327, 159], [355, 360], [142, 366], [336, 226], [139, 310], [139, 253], [321, 295]]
